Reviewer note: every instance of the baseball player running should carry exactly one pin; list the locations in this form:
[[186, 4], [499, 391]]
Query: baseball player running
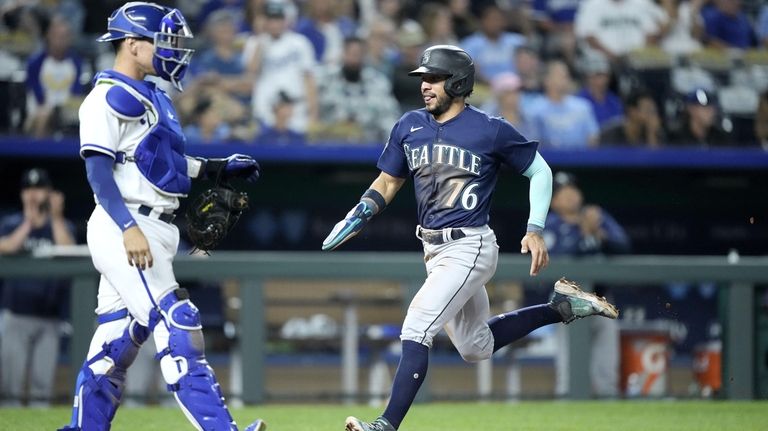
[[133, 149], [453, 152]]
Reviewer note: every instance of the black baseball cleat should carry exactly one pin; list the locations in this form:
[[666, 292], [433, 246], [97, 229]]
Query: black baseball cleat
[[573, 303], [380, 424]]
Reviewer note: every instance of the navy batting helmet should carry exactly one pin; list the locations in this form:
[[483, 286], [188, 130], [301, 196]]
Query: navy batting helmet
[[164, 26], [452, 62]]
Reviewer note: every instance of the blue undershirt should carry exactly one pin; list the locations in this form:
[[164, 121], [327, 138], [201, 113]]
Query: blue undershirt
[[99, 169]]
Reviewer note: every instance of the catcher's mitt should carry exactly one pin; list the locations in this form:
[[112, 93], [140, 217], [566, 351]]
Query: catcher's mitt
[[213, 214]]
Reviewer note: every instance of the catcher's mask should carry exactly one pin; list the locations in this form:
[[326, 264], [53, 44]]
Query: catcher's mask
[[165, 27], [213, 214]]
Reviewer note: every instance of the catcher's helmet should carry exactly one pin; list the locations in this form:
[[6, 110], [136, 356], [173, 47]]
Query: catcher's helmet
[[453, 62], [167, 29]]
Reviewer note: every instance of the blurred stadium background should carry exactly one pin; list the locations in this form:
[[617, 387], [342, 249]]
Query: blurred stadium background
[[673, 147]]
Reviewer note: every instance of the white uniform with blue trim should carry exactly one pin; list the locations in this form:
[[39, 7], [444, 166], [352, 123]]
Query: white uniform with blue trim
[[104, 130], [134, 124]]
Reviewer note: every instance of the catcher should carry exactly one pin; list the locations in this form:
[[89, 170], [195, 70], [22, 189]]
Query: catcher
[[134, 155]]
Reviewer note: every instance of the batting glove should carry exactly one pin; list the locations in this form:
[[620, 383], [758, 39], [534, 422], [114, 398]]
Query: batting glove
[[236, 165], [352, 224]]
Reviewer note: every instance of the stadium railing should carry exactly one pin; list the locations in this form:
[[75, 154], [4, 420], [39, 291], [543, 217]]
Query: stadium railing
[[253, 268]]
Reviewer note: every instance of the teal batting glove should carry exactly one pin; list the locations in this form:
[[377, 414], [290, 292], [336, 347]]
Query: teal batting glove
[[352, 224]]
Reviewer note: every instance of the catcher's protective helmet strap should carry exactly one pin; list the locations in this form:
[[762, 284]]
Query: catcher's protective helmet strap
[[452, 62]]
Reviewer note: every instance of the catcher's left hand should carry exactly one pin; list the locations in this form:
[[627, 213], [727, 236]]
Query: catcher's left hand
[[213, 214], [236, 165]]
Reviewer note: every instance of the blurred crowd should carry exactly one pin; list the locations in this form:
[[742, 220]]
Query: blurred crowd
[[570, 73]]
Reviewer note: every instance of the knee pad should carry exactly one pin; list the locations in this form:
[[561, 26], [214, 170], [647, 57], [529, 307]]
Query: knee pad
[[184, 367], [101, 380]]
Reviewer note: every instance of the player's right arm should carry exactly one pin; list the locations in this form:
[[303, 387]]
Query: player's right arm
[[374, 200], [100, 118], [387, 186], [394, 170]]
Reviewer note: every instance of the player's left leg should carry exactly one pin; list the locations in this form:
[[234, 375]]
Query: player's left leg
[[181, 350], [568, 303]]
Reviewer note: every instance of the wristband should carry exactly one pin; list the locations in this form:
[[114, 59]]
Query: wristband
[[378, 201], [532, 228]]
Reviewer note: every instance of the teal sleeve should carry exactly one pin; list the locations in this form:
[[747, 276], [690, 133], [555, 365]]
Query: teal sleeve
[[540, 192]]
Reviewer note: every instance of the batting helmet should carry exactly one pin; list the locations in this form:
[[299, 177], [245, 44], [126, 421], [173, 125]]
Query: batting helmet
[[453, 62], [167, 29]]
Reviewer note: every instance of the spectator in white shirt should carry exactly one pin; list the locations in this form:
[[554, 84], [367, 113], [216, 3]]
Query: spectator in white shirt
[[282, 61], [617, 27], [686, 26]]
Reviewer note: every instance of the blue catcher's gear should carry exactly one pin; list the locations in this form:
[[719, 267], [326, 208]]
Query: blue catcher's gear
[[160, 154], [183, 363], [100, 383], [165, 27]]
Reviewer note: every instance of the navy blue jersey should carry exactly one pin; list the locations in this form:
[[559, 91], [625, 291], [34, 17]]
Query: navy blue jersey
[[42, 297], [566, 239], [454, 164]]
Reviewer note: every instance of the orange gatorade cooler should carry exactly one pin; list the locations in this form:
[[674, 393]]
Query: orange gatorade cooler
[[644, 362], [707, 367]]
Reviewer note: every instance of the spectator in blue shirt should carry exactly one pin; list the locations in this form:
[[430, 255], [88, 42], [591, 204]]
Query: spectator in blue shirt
[[605, 103], [323, 30], [508, 102], [574, 229], [727, 26], [53, 79], [492, 48], [560, 119], [206, 126], [221, 67], [33, 307]]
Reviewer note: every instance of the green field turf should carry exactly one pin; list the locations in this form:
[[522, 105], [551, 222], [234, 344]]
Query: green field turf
[[543, 416]]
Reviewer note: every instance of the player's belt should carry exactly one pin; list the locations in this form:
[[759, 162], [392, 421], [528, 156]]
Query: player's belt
[[149, 212], [437, 237]]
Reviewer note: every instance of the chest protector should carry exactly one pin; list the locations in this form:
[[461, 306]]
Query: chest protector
[[159, 155]]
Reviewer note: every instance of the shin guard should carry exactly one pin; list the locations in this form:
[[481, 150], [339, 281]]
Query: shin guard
[[179, 339], [100, 382]]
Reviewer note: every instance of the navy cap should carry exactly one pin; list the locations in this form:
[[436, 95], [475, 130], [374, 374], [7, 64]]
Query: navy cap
[[562, 179], [700, 97], [35, 177]]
